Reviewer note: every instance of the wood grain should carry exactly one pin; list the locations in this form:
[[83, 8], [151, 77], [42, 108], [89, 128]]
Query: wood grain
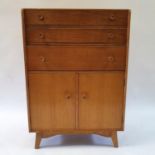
[[76, 35], [76, 17], [76, 58], [101, 100], [52, 100], [76, 63]]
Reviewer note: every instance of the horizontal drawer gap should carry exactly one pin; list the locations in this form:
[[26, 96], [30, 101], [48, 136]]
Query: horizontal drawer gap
[[87, 45], [76, 26], [95, 70], [73, 44]]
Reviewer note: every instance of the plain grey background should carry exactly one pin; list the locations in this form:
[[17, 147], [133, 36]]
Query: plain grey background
[[139, 135]]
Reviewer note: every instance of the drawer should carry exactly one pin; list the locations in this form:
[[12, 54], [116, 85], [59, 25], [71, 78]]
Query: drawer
[[75, 58], [75, 35], [76, 17]]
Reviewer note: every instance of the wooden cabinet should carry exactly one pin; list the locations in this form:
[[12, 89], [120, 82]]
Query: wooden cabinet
[[76, 69]]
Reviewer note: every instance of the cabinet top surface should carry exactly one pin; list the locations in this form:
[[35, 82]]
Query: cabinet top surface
[[73, 9]]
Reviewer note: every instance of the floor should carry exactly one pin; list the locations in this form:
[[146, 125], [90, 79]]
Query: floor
[[137, 139]]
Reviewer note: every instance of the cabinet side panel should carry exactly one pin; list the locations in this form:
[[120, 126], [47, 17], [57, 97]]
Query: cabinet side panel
[[126, 69], [25, 63]]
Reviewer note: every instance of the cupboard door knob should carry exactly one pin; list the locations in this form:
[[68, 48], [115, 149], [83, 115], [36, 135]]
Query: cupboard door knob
[[84, 96], [41, 17], [43, 59], [110, 58], [112, 17]]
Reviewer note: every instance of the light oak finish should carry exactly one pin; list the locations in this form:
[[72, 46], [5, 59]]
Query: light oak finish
[[76, 71], [101, 100], [52, 98]]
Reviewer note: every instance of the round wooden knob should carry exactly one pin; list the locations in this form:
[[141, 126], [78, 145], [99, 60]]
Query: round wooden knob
[[110, 58], [42, 36], [43, 59], [84, 96], [68, 96], [112, 17], [110, 35], [41, 17]]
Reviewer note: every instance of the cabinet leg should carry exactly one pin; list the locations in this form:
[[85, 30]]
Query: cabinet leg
[[114, 138], [112, 134], [38, 140]]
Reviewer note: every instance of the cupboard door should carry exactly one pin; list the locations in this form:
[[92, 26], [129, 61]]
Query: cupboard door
[[101, 99], [51, 100]]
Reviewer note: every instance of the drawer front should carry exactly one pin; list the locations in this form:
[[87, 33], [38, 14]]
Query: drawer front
[[75, 58], [74, 35], [76, 17]]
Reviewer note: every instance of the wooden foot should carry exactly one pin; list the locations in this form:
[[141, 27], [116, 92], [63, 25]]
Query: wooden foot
[[39, 136], [38, 140], [114, 138], [106, 133], [112, 134]]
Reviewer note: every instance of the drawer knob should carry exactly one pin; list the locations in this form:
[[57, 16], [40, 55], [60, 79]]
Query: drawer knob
[[43, 59], [110, 58], [112, 17], [42, 36], [110, 35], [41, 18]]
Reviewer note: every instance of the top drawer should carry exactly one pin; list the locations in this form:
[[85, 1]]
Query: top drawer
[[76, 17]]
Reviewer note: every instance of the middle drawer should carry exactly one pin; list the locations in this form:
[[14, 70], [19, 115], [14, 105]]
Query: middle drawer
[[43, 35]]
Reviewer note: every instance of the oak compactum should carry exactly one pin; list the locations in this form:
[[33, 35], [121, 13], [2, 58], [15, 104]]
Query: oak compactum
[[76, 69]]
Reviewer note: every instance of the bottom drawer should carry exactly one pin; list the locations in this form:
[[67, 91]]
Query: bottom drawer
[[75, 58]]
